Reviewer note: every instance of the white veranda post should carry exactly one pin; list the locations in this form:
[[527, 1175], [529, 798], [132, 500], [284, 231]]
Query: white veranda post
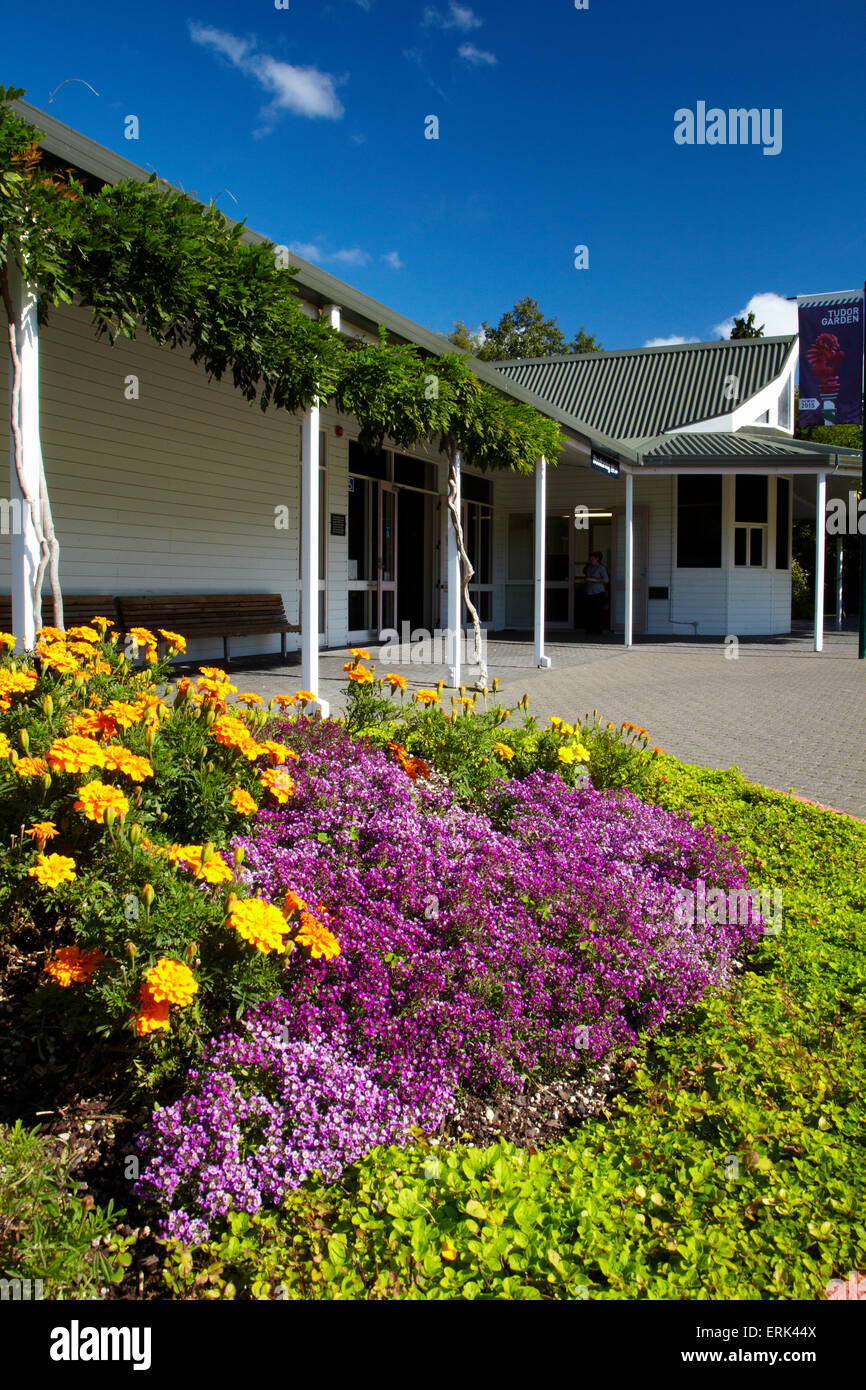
[[310, 542], [629, 560], [24, 544], [820, 531], [453, 583], [540, 549]]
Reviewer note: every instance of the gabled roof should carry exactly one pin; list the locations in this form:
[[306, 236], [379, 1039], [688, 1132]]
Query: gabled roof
[[754, 444], [640, 393]]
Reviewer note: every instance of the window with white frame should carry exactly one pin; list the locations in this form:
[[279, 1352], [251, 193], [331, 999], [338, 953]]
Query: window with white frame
[[750, 520]]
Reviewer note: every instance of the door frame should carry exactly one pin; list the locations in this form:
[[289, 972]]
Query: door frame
[[386, 586]]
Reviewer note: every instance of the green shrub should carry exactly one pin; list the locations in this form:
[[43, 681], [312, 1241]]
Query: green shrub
[[48, 1231]]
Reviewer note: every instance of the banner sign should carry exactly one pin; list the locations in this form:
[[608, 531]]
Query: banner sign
[[604, 465], [831, 358]]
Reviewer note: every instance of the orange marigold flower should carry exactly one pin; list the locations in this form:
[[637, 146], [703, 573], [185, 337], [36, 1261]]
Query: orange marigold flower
[[259, 923], [305, 697], [7, 639], [174, 639], [243, 802], [362, 675], [502, 750], [120, 759], [5, 747], [216, 870], [51, 634], [82, 634], [285, 701], [17, 682], [217, 689], [41, 831], [71, 966], [94, 723], [188, 854], [245, 698], [315, 936], [143, 636], [359, 653], [292, 903], [95, 798], [50, 870], [278, 752], [153, 1013], [124, 714], [426, 697], [171, 982], [277, 781], [101, 622], [31, 767], [75, 754], [396, 682]]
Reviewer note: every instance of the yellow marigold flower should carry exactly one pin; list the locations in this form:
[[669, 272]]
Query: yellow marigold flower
[[124, 714], [305, 697], [243, 802], [189, 854], [153, 1013], [292, 903], [503, 750], [143, 636], [82, 634], [259, 923], [245, 698], [31, 767], [7, 639], [120, 759], [285, 701], [50, 870], [95, 798], [359, 653], [174, 639], [466, 703], [277, 781], [396, 682], [217, 689], [171, 982], [17, 682], [426, 697], [214, 673], [278, 752], [102, 623], [41, 831], [362, 675], [216, 870], [5, 747], [75, 754], [315, 936], [232, 733], [51, 634], [71, 966]]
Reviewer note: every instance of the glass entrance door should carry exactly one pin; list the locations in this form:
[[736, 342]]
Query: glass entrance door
[[386, 562]]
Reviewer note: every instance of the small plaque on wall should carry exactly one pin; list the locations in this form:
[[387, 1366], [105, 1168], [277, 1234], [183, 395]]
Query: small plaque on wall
[[338, 524]]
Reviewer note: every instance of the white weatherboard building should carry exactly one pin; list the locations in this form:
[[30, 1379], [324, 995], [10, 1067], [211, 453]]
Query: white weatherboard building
[[680, 461]]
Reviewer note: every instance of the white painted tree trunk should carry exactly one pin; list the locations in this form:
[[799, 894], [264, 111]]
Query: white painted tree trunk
[[467, 572]]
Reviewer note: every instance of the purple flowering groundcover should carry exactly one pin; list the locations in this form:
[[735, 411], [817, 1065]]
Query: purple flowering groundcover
[[477, 949]]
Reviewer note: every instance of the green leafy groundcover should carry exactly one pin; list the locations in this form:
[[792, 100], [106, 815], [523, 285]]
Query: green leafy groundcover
[[734, 1170]]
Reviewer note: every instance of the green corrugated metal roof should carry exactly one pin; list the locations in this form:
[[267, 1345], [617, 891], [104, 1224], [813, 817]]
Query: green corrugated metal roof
[[750, 445], [641, 393]]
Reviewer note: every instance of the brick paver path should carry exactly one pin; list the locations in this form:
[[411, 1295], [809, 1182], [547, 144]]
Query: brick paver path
[[787, 717]]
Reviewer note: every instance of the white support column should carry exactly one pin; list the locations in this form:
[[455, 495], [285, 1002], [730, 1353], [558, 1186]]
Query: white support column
[[540, 555], [452, 583], [628, 626], [24, 547], [820, 533], [840, 563], [310, 539]]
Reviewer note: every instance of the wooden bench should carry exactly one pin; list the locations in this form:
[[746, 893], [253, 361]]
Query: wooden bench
[[78, 609], [207, 615]]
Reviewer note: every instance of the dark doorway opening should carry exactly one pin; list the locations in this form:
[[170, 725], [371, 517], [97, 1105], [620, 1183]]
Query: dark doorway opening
[[412, 550]]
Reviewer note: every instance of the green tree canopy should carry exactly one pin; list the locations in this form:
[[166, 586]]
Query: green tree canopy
[[520, 333], [747, 328]]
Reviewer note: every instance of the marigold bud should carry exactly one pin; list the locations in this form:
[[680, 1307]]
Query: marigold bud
[[109, 816], [134, 834], [239, 856], [48, 705], [209, 767], [46, 781], [207, 852], [210, 713], [24, 739], [147, 896]]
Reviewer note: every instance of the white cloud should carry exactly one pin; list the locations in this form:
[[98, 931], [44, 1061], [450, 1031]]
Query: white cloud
[[457, 17], [476, 56], [307, 250], [392, 259], [778, 315], [303, 90], [221, 42], [351, 255], [315, 252], [672, 341]]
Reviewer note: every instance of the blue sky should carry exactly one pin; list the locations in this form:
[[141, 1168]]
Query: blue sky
[[556, 129]]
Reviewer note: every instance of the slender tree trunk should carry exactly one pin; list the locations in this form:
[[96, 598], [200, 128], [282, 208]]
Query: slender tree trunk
[[18, 450], [466, 568]]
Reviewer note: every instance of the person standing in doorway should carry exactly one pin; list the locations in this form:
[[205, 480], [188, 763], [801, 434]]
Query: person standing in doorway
[[597, 581]]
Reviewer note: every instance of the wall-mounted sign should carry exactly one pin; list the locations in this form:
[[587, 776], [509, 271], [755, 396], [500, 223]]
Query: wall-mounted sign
[[604, 465], [351, 484], [338, 524]]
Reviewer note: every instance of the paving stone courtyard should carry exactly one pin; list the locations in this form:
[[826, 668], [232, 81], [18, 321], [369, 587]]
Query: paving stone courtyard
[[788, 717]]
